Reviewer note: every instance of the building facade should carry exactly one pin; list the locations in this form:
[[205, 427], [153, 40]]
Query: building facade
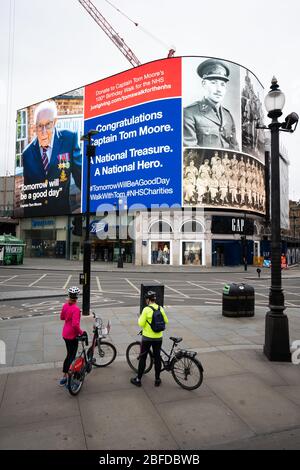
[[177, 140], [7, 222]]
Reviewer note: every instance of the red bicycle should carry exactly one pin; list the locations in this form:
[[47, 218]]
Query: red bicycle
[[100, 354]]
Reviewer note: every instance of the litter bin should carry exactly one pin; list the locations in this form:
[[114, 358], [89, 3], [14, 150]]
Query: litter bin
[[158, 289], [238, 300]]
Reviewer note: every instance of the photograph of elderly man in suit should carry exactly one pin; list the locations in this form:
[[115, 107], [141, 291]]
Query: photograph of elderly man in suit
[[52, 157], [206, 122]]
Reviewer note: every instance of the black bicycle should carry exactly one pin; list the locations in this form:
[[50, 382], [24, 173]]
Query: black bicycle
[[100, 354], [186, 370]]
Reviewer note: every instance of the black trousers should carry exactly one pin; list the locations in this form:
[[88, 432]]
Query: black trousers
[[72, 346], [145, 348]]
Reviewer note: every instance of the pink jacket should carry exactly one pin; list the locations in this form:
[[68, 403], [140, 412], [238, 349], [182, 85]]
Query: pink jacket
[[71, 315]]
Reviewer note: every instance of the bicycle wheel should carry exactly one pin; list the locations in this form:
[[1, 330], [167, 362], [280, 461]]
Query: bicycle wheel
[[75, 382], [187, 372], [132, 355], [104, 354]]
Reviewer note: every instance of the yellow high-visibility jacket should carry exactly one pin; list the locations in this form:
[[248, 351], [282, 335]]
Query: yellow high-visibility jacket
[[145, 317]]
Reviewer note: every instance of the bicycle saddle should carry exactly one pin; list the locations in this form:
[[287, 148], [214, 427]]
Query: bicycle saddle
[[176, 340]]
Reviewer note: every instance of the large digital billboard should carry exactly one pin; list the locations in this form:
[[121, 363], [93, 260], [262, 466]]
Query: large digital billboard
[[139, 150], [175, 132], [49, 157]]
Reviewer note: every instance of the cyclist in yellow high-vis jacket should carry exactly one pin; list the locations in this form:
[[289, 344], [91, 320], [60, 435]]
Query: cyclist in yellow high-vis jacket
[[149, 338]]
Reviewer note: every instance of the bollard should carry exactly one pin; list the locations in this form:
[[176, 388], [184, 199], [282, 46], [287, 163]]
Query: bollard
[[258, 272], [159, 289]]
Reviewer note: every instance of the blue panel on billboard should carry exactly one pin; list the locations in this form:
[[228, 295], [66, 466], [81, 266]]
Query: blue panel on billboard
[[138, 155]]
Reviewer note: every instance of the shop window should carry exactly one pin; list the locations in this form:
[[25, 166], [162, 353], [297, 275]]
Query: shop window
[[160, 253], [192, 253]]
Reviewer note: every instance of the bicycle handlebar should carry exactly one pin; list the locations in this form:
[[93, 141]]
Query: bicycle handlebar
[[83, 338]]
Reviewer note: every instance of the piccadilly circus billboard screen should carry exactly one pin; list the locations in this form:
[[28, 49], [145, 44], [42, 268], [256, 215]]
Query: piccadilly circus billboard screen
[[176, 132], [48, 174]]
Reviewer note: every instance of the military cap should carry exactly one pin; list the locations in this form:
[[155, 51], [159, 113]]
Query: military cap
[[213, 68]]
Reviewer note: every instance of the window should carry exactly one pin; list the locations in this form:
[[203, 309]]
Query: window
[[21, 139], [192, 253], [74, 123], [192, 226], [160, 227], [160, 252]]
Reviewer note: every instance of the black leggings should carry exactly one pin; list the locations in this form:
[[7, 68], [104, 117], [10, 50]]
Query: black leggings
[[145, 347], [72, 346]]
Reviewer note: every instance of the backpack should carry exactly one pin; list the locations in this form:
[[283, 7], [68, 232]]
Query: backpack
[[157, 323]]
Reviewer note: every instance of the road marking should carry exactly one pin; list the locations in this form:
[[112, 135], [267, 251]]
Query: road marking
[[98, 284], [174, 290], [204, 288], [132, 285], [36, 287], [68, 280], [39, 279], [292, 293], [9, 279], [126, 294], [288, 304]]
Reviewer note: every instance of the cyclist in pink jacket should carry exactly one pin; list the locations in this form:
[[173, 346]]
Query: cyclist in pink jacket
[[71, 315]]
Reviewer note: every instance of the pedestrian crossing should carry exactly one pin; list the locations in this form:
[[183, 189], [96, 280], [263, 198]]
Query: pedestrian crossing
[[109, 287]]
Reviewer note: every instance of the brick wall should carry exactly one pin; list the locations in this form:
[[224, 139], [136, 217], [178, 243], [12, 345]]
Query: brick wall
[[65, 106]]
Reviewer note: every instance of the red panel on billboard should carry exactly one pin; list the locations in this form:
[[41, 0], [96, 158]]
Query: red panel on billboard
[[156, 80]]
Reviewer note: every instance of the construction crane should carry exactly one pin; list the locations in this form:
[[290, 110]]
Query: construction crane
[[112, 34]]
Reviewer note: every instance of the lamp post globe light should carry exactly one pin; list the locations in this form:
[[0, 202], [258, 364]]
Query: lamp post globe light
[[86, 294], [277, 343]]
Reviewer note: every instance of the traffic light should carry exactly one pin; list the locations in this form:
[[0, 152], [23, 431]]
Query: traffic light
[[77, 225]]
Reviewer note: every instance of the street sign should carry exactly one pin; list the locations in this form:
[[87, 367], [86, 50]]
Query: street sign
[[98, 226]]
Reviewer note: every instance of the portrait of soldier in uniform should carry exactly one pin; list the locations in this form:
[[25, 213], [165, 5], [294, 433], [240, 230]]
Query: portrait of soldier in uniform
[[189, 180], [51, 161], [253, 137], [207, 123]]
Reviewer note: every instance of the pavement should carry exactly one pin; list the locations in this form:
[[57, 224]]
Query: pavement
[[244, 402]]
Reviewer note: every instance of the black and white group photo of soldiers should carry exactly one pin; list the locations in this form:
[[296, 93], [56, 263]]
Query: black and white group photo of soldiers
[[222, 178], [253, 138]]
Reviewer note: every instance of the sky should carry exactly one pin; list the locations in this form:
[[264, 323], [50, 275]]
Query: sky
[[48, 48]]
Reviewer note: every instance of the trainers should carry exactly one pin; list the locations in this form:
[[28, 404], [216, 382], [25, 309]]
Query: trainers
[[136, 381], [157, 382], [63, 381]]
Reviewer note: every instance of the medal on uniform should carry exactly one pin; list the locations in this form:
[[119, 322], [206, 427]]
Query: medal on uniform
[[64, 164], [63, 177]]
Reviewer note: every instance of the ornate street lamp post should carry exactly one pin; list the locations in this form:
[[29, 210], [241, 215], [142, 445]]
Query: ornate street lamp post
[[277, 343]]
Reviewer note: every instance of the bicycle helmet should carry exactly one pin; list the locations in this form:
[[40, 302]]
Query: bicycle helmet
[[73, 292], [150, 295]]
